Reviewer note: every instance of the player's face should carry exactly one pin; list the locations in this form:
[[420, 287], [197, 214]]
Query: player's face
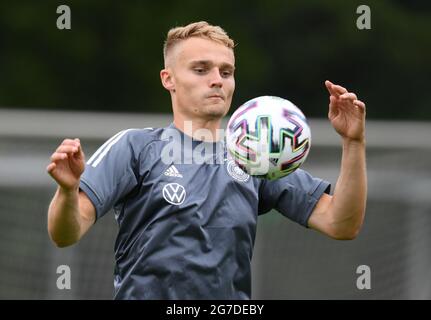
[[203, 78]]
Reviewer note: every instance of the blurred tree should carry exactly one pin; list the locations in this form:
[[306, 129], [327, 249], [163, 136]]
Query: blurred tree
[[110, 59]]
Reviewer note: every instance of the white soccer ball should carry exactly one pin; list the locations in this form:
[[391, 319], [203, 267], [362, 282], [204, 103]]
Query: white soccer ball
[[268, 137]]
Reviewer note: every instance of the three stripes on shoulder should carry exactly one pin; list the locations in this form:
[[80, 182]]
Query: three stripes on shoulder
[[104, 149]]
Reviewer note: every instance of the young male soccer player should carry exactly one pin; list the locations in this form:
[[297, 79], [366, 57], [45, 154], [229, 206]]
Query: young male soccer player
[[187, 229]]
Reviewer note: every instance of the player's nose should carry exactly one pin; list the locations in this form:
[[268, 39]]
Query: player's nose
[[216, 79]]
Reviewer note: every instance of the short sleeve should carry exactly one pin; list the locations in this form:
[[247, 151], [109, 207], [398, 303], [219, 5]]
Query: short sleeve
[[109, 174], [294, 196]]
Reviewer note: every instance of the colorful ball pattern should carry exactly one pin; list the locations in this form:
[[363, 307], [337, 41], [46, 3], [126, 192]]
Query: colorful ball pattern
[[268, 137]]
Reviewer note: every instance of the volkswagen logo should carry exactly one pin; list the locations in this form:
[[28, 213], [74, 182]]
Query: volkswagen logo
[[174, 193]]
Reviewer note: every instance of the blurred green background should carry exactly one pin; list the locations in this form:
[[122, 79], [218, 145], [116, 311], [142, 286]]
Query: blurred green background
[[111, 58]]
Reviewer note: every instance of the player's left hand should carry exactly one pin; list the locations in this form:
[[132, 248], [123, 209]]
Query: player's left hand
[[346, 113]]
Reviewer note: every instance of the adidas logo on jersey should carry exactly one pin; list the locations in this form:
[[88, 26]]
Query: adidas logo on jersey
[[172, 171]]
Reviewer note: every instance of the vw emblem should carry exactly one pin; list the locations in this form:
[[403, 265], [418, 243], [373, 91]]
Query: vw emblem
[[174, 193], [236, 172]]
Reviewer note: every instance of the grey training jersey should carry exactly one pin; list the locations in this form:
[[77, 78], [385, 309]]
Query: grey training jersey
[[186, 228]]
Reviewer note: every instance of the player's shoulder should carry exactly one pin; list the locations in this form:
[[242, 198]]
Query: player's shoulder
[[142, 133], [294, 179], [139, 136]]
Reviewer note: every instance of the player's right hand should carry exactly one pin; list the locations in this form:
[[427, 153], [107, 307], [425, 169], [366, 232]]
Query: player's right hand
[[67, 164]]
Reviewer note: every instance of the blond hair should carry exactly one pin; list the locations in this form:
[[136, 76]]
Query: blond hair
[[201, 29]]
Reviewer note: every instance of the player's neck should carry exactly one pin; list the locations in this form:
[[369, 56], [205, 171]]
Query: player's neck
[[200, 129]]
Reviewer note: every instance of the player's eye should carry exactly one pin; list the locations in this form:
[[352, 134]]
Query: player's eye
[[199, 70], [226, 74]]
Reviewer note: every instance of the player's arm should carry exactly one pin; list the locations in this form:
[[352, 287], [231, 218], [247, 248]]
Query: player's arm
[[70, 213], [341, 216]]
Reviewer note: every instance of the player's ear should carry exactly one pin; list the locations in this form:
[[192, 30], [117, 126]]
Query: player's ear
[[167, 79]]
